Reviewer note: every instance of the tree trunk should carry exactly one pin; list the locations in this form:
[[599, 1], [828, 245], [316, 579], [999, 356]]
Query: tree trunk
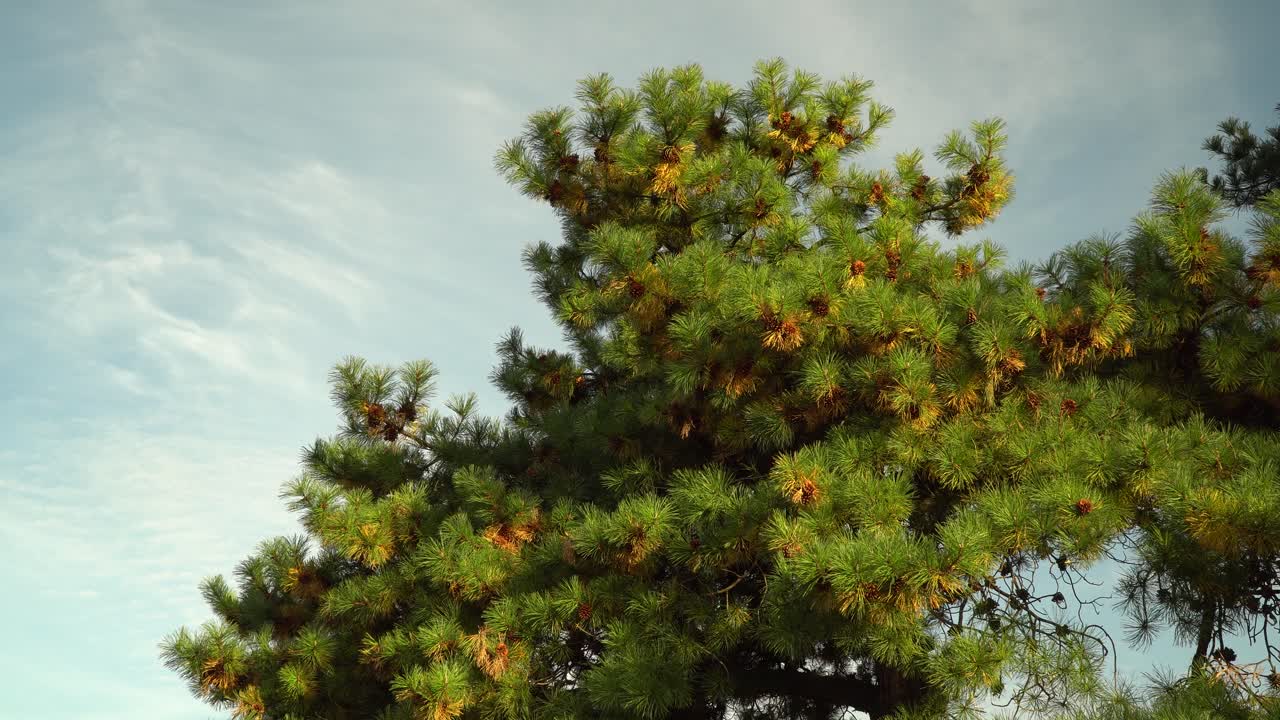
[[897, 689], [1203, 637]]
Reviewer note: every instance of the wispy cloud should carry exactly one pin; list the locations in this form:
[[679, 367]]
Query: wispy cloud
[[115, 531]]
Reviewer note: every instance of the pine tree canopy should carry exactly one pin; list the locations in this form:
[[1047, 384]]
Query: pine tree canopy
[[800, 458], [1250, 165]]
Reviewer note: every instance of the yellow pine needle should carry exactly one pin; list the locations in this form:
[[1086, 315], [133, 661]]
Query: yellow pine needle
[[736, 383], [666, 174], [665, 178], [371, 653], [785, 337], [292, 581], [963, 398], [799, 483], [493, 663], [856, 282], [685, 429], [443, 709], [249, 705], [215, 675], [509, 537]]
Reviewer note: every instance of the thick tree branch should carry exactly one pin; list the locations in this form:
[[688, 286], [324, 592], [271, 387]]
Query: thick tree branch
[[834, 690]]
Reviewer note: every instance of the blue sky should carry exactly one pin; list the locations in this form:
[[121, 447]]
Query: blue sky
[[204, 205]]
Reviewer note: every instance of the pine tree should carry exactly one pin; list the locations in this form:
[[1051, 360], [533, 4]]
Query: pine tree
[[1202, 553], [1250, 165], [799, 457]]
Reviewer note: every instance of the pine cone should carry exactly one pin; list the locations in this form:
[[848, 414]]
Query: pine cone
[[877, 193], [408, 411], [857, 268], [584, 612], [808, 492], [717, 127], [921, 187], [788, 333], [569, 163], [671, 154], [1041, 292], [1068, 407], [835, 124], [555, 193], [1084, 506], [970, 317], [819, 306], [893, 258], [635, 288], [770, 319]]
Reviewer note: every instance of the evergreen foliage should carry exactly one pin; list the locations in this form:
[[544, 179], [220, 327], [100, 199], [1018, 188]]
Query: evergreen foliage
[[800, 459], [1250, 165]]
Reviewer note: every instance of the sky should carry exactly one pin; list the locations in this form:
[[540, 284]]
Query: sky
[[204, 206]]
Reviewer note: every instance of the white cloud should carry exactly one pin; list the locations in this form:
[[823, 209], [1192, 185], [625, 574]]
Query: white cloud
[[127, 379], [150, 514]]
